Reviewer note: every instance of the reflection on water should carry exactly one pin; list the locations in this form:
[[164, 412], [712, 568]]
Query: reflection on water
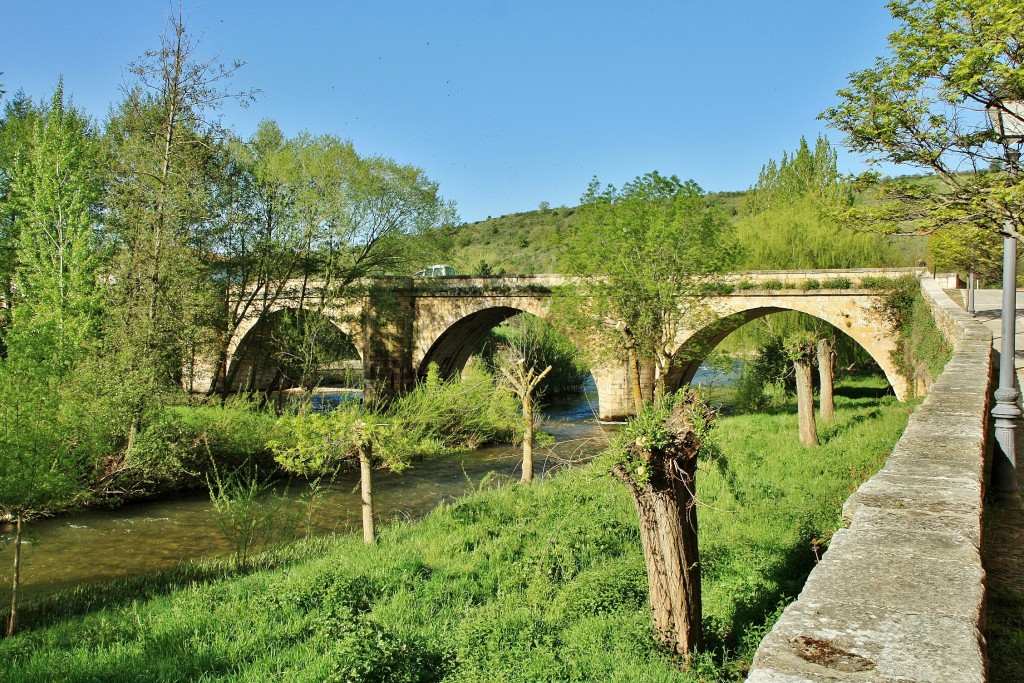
[[97, 545]]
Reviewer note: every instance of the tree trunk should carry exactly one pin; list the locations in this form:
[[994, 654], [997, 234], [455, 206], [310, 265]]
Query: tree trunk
[[366, 491], [826, 377], [633, 372], [805, 402], [12, 621], [666, 505], [527, 476]]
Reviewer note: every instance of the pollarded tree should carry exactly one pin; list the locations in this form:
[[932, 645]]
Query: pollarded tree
[[657, 459], [523, 379], [645, 257], [923, 105], [801, 350]]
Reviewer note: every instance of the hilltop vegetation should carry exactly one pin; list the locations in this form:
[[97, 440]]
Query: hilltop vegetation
[[528, 242]]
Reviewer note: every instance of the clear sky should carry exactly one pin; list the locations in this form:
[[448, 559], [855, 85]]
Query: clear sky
[[505, 103]]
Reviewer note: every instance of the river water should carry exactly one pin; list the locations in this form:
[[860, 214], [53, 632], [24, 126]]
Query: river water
[[99, 545]]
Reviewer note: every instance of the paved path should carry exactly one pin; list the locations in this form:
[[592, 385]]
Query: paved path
[[1003, 542]]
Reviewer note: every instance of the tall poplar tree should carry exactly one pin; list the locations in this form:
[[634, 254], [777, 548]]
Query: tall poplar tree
[[49, 439]]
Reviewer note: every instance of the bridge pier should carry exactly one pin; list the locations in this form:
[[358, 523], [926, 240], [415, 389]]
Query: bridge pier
[[387, 324]]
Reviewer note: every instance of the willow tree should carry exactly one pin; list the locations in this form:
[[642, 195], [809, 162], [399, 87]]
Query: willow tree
[[645, 259], [657, 459]]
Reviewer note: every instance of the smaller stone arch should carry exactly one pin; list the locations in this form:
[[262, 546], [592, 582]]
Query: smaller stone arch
[[697, 344], [258, 354]]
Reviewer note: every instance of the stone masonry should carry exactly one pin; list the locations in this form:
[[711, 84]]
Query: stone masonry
[[401, 325], [899, 595]]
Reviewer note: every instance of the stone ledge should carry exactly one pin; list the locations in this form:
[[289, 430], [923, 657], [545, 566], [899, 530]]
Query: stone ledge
[[899, 595]]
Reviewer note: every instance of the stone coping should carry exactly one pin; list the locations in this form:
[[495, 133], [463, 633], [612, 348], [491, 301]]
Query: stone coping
[[899, 596]]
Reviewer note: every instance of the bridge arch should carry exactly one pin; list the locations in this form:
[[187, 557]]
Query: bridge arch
[[452, 346], [855, 321], [268, 353]]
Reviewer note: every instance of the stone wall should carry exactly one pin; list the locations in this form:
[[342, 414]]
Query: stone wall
[[899, 595]]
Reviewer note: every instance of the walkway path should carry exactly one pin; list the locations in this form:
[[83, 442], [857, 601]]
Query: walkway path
[[1003, 541]]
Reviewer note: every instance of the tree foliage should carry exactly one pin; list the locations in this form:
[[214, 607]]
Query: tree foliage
[[923, 105], [647, 256]]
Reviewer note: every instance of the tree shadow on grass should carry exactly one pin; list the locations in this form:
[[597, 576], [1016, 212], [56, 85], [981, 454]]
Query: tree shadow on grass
[[861, 393], [757, 612], [90, 598]]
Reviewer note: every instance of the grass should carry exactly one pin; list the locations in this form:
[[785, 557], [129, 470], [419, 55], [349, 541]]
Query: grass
[[511, 583], [1003, 551]]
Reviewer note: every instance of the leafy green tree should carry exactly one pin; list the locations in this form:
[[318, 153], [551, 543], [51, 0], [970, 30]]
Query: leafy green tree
[[923, 105], [322, 218], [49, 435], [966, 249], [165, 145], [17, 130], [647, 256]]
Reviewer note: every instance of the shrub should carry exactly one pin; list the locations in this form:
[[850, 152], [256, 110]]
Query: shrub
[[747, 284], [808, 285], [875, 282], [772, 284], [836, 283], [177, 449], [923, 350]]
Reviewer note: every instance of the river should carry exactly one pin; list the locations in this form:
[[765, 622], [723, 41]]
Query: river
[[99, 545]]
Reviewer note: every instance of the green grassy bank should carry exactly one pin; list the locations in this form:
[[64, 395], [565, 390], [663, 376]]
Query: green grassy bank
[[545, 583]]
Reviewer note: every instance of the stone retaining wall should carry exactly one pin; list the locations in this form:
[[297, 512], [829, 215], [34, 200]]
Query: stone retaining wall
[[899, 595]]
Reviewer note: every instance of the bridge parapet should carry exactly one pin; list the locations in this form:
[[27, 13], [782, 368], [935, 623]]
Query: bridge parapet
[[899, 595]]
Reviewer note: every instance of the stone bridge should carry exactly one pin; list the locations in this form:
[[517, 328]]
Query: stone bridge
[[400, 325]]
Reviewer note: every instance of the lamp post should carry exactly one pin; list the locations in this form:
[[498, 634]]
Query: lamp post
[[1007, 117]]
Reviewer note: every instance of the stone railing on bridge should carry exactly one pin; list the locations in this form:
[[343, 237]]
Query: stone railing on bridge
[[899, 596]]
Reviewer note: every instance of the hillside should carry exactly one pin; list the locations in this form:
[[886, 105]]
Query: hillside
[[527, 243]]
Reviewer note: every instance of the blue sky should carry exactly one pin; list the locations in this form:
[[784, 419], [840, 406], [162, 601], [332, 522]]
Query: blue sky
[[505, 104]]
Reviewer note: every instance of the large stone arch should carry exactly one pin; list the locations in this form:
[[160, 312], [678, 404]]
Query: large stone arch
[[243, 369], [453, 338], [851, 314]]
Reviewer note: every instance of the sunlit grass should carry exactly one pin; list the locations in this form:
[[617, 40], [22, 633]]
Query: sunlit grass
[[511, 583]]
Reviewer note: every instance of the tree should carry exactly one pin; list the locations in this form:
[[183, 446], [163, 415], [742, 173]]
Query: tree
[[801, 351], [646, 257], [165, 143], [523, 378], [49, 435], [323, 217], [923, 105], [826, 378], [657, 459]]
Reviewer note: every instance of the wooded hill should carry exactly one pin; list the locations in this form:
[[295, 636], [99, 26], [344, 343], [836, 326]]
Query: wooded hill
[[527, 243]]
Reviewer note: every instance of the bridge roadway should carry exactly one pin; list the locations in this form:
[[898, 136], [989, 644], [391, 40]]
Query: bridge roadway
[[401, 325]]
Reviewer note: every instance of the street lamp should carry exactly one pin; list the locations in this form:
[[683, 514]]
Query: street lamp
[[1007, 117]]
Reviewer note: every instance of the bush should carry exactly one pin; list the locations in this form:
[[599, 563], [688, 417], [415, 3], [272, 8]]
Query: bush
[[836, 283], [763, 381], [808, 285], [923, 350], [179, 446], [772, 284], [875, 282]]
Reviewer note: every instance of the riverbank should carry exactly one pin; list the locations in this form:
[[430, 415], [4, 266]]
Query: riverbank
[[510, 583]]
